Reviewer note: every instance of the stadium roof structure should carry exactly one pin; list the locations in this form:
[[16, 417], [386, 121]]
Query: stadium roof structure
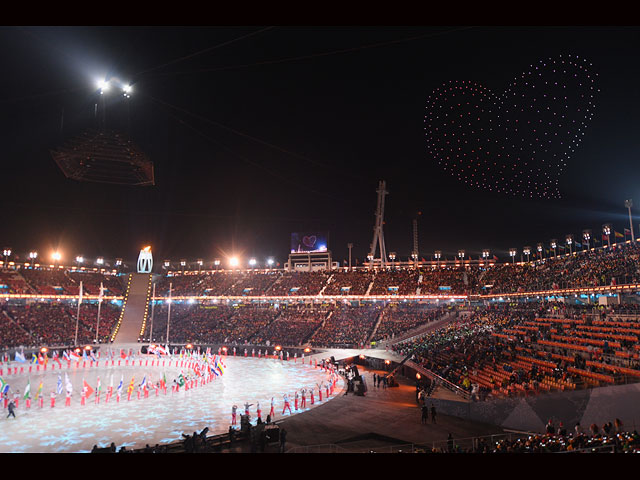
[[104, 157]]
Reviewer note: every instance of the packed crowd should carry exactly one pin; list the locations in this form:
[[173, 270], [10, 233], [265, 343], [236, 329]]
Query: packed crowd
[[292, 327], [401, 318], [349, 283], [523, 349], [54, 324], [347, 327]]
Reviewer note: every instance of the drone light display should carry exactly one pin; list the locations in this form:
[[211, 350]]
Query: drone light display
[[517, 142]]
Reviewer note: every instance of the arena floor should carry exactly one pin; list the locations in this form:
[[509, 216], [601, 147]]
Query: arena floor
[[161, 419]]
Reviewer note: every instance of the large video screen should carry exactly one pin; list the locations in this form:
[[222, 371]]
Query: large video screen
[[308, 242]]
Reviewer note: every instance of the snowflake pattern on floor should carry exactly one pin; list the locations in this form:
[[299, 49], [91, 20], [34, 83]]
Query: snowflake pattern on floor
[[154, 420]]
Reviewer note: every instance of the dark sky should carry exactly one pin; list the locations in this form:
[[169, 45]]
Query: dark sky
[[248, 148]]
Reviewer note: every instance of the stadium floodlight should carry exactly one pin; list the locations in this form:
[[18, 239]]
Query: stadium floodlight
[[183, 262], [167, 263], [126, 89], [33, 255], [216, 262], [118, 262], [485, 253], [569, 240], [461, 254], [586, 234], [79, 259], [392, 256], [103, 85], [606, 230], [512, 253], [234, 262], [270, 262], [438, 254], [100, 261], [56, 256], [253, 262], [527, 252]]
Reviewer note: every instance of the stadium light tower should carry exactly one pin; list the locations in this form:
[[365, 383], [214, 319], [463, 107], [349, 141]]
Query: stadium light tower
[[569, 240], [606, 230], [166, 264], [485, 255], [253, 262], [216, 262], [629, 204], [540, 247], [437, 255], [7, 253], [270, 262], [512, 253], [527, 252], [200, 262], [100, 261], [392, 257], [586, 234], [461, 254], [33, 255], [234, 262], [554, 245], [183, 263], [349, 246]]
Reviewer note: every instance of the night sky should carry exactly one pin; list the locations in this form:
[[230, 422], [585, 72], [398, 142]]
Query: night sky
[[290, 129]]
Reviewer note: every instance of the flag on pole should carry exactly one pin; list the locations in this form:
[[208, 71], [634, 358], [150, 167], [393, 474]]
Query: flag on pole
[[130, 387], [59, 386], [181, 380], [27, 390], [627, 231], [68, 383], [87, 388], [39, 390], [101, 293], [618, 234], [34, 359], [4, 386], [98, 388], [120, 385], [20, 357]]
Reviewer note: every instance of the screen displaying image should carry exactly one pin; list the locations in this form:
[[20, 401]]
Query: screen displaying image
[[308, 242]]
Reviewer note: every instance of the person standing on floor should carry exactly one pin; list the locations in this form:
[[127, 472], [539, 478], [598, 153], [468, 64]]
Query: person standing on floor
[[233, 414], [433, 413], [11, 406]]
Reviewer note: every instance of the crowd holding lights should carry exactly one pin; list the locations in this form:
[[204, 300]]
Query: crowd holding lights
[[516, 142]]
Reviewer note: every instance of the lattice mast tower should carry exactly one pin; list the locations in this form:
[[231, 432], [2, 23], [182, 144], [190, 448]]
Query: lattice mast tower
[[378, 235]]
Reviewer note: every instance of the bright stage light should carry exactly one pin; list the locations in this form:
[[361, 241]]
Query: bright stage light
[[56, 256], [233, 261]]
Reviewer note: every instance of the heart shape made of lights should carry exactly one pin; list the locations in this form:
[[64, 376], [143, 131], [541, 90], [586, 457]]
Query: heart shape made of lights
[[309, 241], [517, 142]]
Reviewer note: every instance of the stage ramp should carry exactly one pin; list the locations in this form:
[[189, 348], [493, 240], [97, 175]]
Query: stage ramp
[[135, 309]]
